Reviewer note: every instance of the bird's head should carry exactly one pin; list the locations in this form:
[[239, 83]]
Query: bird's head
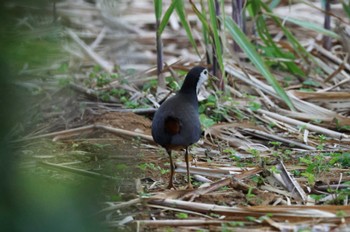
[[194, 79]]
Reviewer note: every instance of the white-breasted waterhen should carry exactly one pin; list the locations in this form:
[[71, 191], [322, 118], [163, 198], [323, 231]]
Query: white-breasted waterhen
[[176, 123]]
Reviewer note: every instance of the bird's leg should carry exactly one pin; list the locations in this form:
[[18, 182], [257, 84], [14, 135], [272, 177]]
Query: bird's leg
[[188, 170], [172, 167]]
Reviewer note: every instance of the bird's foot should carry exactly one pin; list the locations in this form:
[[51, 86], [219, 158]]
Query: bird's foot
[[189, 186], [171, 186]]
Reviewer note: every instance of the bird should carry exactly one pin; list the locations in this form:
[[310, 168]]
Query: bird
[[176, 124]]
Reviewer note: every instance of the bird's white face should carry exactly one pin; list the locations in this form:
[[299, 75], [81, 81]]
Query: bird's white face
[[202, 78]]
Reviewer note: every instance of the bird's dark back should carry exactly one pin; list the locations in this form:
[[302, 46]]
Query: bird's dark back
[[176, 122]]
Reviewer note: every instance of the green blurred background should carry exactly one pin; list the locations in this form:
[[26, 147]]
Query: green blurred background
[[29, 202]]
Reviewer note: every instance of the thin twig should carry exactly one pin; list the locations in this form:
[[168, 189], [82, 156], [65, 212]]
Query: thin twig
[[75, 131], [78, 171], [272, 137], [309, 126], [120, 205], [106, 65]]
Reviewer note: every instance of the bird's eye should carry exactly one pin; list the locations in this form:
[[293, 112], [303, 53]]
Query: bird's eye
[[205, 72]]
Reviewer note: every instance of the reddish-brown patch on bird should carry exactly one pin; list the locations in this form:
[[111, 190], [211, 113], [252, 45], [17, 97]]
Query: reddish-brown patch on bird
[[172, 125]]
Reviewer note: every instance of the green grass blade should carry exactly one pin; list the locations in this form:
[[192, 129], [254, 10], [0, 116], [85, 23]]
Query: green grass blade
[[298, 48], [249, 49], [271, 49], [275, 51], [311, 26], [215, 28], [180, 10], [346, 8], [166, 17], [158, 8], [200, 16], [274, 3]]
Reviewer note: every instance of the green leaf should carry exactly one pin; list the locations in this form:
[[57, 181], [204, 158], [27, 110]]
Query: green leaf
[[346, 8], [274, 3], [206, 121], [275, 51], [158, 8], [166, 17], [311, 26], [298, 48], [180, 10], [203, 19], [249, 49], [181, 215], [310, 177], [311, 82], [200, 16], [254, 106]]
